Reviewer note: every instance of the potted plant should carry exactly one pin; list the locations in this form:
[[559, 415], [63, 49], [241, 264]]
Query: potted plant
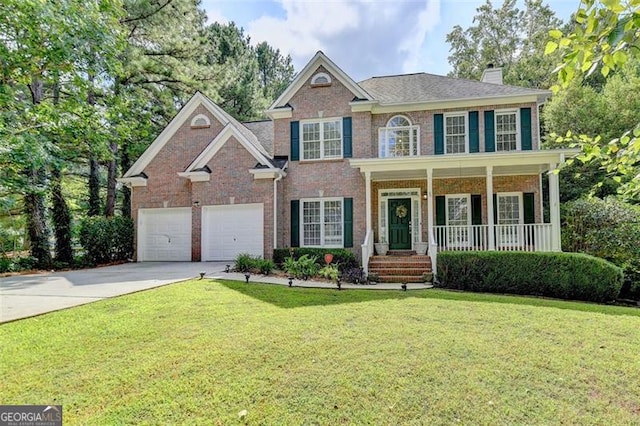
[[421, 247], [382, 247]]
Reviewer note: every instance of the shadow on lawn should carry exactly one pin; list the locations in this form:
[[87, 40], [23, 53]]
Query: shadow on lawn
[[296, 297]]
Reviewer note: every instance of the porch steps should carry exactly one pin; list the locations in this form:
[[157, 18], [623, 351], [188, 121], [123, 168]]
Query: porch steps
[[403, 268]]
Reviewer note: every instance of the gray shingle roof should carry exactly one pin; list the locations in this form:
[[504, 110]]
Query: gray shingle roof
[[423, 87], [263, 131]]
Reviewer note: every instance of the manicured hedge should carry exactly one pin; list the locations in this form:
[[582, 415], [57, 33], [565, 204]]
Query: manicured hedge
[[107, 239], [344, 258], [573, 276]]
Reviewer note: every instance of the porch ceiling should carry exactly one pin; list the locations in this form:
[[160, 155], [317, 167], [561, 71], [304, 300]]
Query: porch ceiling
[[463, 165]]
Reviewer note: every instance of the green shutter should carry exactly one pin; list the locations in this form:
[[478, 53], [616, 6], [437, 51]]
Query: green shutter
[[476, 209], [348, 222], [438, 133], [441, 215], [489, 132], [295, 223], [474, 133], [295, 140], [528, 199], [347, 150], [525, 128], [495, 209]]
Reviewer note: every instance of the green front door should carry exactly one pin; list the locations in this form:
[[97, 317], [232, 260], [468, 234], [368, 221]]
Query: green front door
[[399, 224]]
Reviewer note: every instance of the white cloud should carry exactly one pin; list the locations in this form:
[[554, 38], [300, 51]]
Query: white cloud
[[365, 38], [214, 15]]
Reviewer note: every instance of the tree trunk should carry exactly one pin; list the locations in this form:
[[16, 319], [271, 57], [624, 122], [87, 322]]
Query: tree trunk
[[34, 209], [125, 162], [94, 187], [61, 217], [60, 214], [34, 201], [111, 181]]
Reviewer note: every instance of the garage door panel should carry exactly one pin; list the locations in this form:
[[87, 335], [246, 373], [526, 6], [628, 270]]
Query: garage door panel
[[231, 230], [164, 234]]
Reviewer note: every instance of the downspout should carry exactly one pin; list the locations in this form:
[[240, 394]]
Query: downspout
[[275, 209]]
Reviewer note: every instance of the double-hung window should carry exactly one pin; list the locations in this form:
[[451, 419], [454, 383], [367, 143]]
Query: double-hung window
[[507, 131], [458, 220], [321, 139], [510, 216], [398, 139], [322, 222], [456, 133]]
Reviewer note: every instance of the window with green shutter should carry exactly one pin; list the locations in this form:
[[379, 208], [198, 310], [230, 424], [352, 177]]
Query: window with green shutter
[[489, 132], [525, 129], [348, 222], [438, 133], [347, 151], [295, 223], [474, 132], [295, 140]]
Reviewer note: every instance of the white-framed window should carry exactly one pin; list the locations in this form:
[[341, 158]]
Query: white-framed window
[[510, 216], [399, 139], [321, 78], [456, 133], [200, 120], [507, 130], [322, 222], [321, 139], [458, 220]]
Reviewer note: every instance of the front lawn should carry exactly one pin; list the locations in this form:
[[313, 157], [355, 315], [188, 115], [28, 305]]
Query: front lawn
[[201, 352]]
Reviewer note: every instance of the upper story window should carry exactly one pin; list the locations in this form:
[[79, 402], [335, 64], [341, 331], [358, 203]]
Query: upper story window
[[321, 139], [200, 120], [456, 133], [507, 130], [321, 79], [398, 139]]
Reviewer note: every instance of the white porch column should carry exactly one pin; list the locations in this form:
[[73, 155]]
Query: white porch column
[[430, 204], [554, 207], [367, 197], [490, 207]]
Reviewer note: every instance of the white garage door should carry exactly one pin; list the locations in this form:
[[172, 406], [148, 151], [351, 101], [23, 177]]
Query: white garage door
[[164, 234], [232, 229]]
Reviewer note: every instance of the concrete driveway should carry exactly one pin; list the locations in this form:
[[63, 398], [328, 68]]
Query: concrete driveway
[[23, 296]]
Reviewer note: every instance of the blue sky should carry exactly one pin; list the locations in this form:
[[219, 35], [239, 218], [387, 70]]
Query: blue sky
[[365, 38]]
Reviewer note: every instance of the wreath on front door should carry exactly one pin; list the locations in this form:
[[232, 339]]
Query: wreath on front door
[[401, 212]]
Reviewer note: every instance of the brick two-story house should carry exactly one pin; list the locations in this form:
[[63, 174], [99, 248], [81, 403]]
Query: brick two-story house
[[406, 160]]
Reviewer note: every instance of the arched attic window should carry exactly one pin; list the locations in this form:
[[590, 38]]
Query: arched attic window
[[399, 139], [321, 79], [200, 121]]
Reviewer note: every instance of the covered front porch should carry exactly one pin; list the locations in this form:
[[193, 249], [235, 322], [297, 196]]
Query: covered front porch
[[480, 201]]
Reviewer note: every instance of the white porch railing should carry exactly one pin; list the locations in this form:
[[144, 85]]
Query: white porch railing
[[433, 253], [367, 250], [529, 237]]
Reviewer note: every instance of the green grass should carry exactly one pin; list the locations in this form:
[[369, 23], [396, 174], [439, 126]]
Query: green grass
[[202, 351]]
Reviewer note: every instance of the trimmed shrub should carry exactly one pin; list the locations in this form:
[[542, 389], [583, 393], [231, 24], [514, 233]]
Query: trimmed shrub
[[304, 267], [573, 276], [609, 229], [342, 257], [246, 262], [106, 239]]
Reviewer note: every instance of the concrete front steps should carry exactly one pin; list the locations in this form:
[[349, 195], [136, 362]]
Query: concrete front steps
[[405, 267]]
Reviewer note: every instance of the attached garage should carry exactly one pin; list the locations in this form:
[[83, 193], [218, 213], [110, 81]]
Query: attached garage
[[164, 234], [230, 230]]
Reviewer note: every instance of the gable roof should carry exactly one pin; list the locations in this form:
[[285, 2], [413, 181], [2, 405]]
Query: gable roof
[[185, 112], [423, 87], [319, 59], [214, 146], [263, 130]]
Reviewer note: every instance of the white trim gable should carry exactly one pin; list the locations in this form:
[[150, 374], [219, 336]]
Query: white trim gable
[[187, 110], [192, 172], [320, 59]]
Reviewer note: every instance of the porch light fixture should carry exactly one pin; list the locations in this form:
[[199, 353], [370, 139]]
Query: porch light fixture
[[424, 195], [202, 275], [247, 276], [196, 203]]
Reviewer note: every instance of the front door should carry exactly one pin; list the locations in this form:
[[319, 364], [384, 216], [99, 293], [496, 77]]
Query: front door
[[400, 224]]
